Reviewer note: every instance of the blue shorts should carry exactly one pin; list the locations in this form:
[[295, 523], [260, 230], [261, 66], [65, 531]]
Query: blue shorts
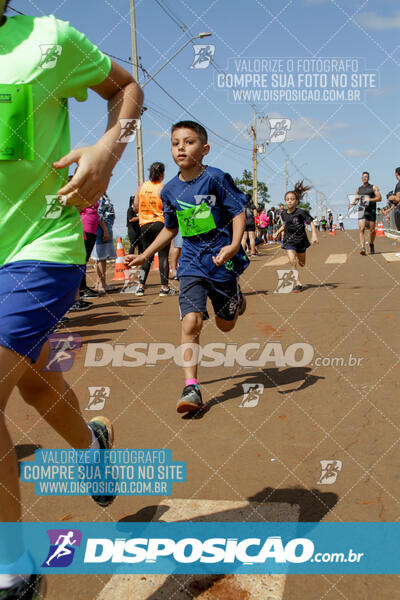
[[34, 296], [194, 291], [178, 240]]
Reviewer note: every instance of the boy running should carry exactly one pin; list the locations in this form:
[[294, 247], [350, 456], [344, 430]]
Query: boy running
[[43, 62], [294, 221], [207, 207]]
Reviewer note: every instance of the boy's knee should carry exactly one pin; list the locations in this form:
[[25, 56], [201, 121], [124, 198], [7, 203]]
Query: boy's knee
[[192, 323]]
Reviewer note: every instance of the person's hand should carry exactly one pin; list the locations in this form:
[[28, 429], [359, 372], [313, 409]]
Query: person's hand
[[91, 178], [314, 241], [106, 236], [134, 260], [225, 254]]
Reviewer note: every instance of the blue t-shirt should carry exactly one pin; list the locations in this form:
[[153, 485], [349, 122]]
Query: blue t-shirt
[[226, 201]]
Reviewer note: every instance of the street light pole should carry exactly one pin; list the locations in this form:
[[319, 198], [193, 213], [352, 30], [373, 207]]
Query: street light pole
[[135, 69], [254, 131]]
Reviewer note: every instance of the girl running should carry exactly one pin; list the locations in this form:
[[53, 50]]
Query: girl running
[[294, 221]]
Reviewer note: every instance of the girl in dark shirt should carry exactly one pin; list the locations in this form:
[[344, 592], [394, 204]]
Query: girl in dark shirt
[[294, 221]]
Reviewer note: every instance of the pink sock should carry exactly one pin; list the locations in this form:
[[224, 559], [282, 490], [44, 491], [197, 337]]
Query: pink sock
[[192, 381]]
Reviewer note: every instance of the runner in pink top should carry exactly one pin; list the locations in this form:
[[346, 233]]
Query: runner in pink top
[[90, 220]]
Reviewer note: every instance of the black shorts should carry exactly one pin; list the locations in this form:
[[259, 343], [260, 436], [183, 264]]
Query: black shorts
[[369, 216], [250, 226], [299, 247], [194, 292]]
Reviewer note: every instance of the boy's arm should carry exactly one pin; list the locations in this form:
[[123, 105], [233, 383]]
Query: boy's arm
[[163, 238], [96, 163], [227, 252]]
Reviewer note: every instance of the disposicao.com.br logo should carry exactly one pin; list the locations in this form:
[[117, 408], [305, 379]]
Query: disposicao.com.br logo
[[192, 550], [215, 354]]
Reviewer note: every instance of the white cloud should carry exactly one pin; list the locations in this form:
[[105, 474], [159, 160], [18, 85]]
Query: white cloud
[[371, 20], [355, 153], [307, 128]]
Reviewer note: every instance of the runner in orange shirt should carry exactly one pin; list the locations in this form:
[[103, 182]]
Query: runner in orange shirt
[[151, 220]]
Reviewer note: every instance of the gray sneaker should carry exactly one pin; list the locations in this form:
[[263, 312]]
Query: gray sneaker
[[168, 292], [190, 400], [103, 430]]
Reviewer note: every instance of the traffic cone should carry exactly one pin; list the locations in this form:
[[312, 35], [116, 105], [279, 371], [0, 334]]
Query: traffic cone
[[121, 270], [380, 232], [333, 232], [156, 263]]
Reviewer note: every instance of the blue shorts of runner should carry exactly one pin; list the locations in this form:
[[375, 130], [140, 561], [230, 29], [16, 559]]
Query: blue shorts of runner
[[178, 240], [34, 296], [194, 291]]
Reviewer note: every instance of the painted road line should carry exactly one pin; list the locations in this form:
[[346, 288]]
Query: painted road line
[[391, 256], [277, 262], [336, 259], [251, 587]]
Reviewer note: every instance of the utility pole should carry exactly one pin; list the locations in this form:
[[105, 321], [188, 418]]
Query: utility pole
[[135, 69], [254, 131], [286, 177]]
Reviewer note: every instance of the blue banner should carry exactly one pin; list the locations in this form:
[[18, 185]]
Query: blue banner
[[129, 472], [195, 548]]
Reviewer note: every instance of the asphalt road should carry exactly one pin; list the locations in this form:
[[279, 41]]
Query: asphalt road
[[325, 389]]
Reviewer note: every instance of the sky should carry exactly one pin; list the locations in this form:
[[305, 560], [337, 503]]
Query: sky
[[342, 56]]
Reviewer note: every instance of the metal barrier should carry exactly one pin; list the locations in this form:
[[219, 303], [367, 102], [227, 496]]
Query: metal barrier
[[389, 224]]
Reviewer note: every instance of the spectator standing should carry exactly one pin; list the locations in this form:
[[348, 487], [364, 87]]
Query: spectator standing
[[104, 248]]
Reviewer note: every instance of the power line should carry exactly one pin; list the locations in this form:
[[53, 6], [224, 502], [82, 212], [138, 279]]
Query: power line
[[16, 11], [195, 118], [181, 24], [186, 31], [128, 62]]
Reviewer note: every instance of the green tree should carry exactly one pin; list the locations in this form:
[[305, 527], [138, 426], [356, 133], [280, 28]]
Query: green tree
[[305, 205], [245, 183]]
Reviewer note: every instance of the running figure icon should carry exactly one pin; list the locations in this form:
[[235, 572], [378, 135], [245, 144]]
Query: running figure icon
[[62, 549]]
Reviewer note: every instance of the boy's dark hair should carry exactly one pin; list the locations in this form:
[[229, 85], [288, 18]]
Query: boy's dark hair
[[365, 173], [398, 171], [199, 129], [157, 170], [299, 190]]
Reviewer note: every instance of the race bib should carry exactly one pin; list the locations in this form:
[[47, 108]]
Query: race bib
[[16, 122], [195, 220]]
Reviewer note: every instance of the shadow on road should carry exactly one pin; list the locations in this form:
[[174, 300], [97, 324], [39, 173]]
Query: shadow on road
[[308, 505], [270, 378]]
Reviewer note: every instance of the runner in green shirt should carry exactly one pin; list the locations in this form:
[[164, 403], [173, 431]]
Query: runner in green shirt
[[43, 62]]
